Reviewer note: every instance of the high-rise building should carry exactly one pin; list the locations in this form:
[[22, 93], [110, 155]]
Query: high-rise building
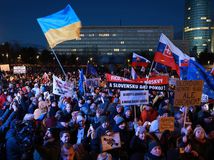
[[198, 25]]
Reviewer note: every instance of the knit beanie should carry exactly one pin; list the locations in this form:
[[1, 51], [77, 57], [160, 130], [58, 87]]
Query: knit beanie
[[103, 119], [127, 108], [198, 127], [119, 120], [54, 132], [154, 127], [153, 144]]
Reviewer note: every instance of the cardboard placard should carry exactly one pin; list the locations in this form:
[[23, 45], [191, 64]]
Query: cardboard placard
[[110, 142], [166, 123], [188, 93]]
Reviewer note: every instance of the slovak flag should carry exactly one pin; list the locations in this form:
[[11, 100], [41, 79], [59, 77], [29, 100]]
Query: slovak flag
[[168, 54], [138, 60], [133, 74]]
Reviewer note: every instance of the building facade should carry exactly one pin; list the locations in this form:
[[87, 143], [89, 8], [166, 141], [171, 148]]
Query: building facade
[[198, 25], [115, 40]]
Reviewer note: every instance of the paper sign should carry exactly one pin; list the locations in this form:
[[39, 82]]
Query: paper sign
[[110, 142], [19, 69], [134, 97], [188, 93], [166, 123]]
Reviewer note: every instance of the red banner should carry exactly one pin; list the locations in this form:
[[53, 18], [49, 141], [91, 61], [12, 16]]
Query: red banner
[[157, 80]]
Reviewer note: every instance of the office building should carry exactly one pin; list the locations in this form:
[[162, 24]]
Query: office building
[[115, 40], [198, 25]]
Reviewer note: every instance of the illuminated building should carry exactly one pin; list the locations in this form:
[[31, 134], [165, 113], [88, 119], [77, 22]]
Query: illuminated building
[[198, 25]]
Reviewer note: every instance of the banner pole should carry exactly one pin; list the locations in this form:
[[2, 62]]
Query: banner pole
[[59, 62], [135, 114], [185, 116], [150, 70]]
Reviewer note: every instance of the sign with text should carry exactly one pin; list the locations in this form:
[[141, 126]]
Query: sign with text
[[110, 142], [158, 83], [95, 82], [166, 123], [62, 88], [188, 93], [5, 67], [19, 69], [134, 97]]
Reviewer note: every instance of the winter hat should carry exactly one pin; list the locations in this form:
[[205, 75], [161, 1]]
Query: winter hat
[[154, 127], [103, 119], [39, 114], [153, 144], [28, 117], [198, 127], [127, 108], [104, 156], [54, 132], [119, 106], [119, 120], [80, 118]]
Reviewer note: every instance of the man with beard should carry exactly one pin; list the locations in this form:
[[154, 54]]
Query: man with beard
[[50, 149]]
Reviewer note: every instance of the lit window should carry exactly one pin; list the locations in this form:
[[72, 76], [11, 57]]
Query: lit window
[[188, 17], [114, 35], [203, 17], [116, 50], [82, 35], [204, 44], [91, 35], [189, 8], [209, 20], [197, 37], [208, 40], [74, 50], [121, 42], [150, 50], [104, 35], [197, 28], [109, 53]]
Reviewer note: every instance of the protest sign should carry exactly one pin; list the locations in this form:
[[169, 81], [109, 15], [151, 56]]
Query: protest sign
[[95, 82], [19, 69], [134, 97], [5, 67], [158, 83], [166, 123], [110, 142], [188, 93], [62, 88]]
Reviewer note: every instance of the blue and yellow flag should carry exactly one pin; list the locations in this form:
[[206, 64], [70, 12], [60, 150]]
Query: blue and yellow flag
[[60, 26]]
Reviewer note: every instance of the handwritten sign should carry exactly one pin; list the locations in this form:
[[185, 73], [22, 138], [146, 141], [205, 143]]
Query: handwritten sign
[[188, 93], [110, 142], [166, 123]]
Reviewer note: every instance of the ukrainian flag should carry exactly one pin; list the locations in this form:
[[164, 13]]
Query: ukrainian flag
[[60, 26]]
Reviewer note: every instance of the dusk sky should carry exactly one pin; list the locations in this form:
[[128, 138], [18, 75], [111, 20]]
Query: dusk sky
[[18, 18]]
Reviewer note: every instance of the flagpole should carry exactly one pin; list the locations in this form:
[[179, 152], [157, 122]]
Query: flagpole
[[59, 62], [150, 70]]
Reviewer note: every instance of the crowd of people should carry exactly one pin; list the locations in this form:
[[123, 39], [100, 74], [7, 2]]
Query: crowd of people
[[36, 124]]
